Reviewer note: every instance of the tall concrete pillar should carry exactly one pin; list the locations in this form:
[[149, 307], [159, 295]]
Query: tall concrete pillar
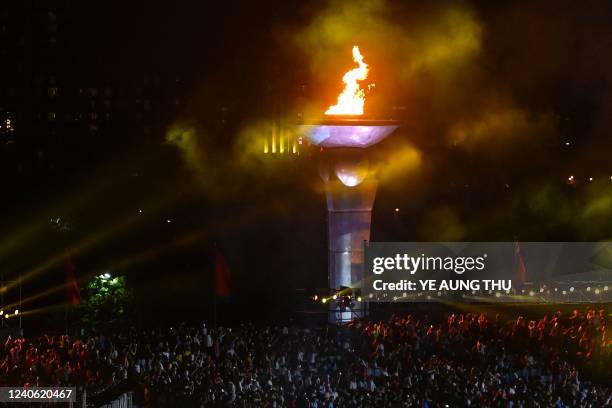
[[350, 191], [349, 215]]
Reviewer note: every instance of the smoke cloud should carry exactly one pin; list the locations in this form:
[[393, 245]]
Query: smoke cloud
[[500, 89]]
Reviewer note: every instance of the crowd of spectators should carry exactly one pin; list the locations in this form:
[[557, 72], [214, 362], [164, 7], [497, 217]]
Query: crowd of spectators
[[467, 359]]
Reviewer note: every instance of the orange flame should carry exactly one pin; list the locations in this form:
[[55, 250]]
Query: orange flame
[[352, 98]]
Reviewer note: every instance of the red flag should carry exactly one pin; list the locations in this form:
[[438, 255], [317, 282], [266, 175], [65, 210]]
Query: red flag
[[520, 262], [72, 286], [222, 275]]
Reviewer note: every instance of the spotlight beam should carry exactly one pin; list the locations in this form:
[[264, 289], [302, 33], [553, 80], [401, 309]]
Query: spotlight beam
[[83, 245], [119, 265], [84, 194]]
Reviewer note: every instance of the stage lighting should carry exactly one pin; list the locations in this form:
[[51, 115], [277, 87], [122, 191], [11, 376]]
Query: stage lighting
[[1, 312], [16, 312], [359, 298], [564, 292], [597, 291], [606, 288], [335, 297], [316, 298], [531, 293], [345, 303], [323, 300], [571, 289]]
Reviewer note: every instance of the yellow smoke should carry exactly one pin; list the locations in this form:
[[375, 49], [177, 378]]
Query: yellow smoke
[[190, 144], [451, 37], [505, 123], [403, 160], [442, 224], [434, 38]]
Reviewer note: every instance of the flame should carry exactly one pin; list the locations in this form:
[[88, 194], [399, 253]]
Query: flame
[[352, 98]]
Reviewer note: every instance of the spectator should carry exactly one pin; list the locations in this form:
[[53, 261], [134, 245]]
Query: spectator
[[467, 360]]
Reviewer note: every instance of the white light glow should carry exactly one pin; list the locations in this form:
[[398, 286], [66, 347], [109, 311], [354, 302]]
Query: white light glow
[[347, 136]]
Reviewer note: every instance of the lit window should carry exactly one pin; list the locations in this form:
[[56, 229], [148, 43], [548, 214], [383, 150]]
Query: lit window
[[7, 126]]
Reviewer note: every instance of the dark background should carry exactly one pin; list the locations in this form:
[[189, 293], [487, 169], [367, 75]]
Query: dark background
[[500, 102]]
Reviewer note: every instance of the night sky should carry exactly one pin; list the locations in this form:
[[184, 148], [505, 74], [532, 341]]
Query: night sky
[[501, 103]]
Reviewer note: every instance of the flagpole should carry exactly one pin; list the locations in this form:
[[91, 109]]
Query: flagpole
[[20, 310], [67, 257], [214, 287], [2, 295], [221, 285], [215, 311]]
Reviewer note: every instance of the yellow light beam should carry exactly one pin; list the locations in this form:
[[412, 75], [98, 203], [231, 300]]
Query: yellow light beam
[[81, 246], [46, 309], [13, 241], [129, 261], [84, 194]]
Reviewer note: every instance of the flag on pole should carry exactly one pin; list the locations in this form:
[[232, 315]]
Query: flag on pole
[[72, 286], [521, 271], [222, 277]]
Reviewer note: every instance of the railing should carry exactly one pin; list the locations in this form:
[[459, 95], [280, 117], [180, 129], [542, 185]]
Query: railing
[[122, 401]]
